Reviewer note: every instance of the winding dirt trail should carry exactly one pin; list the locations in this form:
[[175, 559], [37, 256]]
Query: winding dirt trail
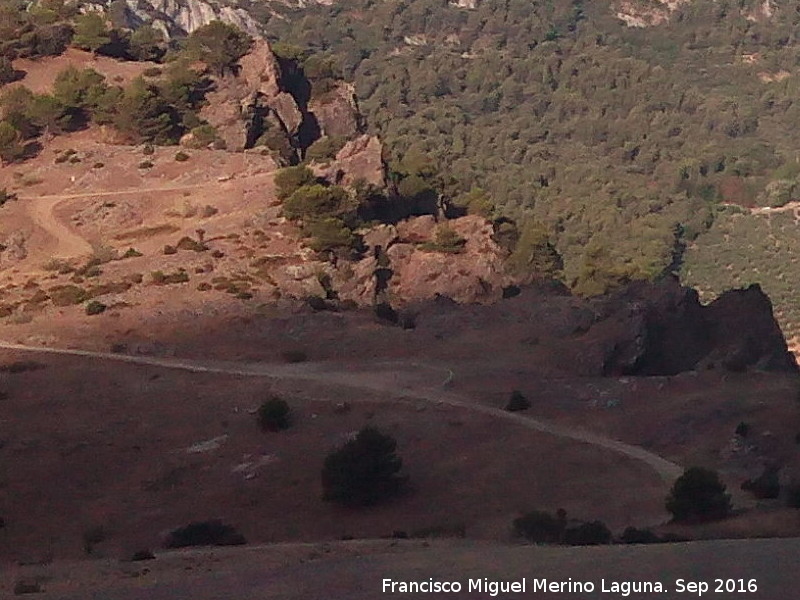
[[386, 382], [68, 243]]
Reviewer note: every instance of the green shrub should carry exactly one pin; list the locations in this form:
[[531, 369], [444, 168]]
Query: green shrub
[[539, 527], [67, 295], [476, 202], [587, 534], [152, 72], [330, 234], [517, 402], [447, 241], [274, 415], [317, 202], [219, 45], [204, 135], [742, 429], [204, 533], [161, 278], [765, 486], [698, 495], [95, 308], [146, 164], [632, 535], [21, 366], [324, 149], [5, 196], [187, 243], [294, 356], [290, 179], [181, 156], [131, 253], [385, 313], [364, 471]]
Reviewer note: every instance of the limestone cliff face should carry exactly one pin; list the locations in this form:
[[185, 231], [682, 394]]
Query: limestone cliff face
[[240, 105], [177, 18]]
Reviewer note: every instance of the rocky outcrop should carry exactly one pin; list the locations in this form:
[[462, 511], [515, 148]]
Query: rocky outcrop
[[13, 248], [400, 271], [336, 112], [663, 329], [635, 13], [359, 159], [242, 106], [263, 100], [178, 18]]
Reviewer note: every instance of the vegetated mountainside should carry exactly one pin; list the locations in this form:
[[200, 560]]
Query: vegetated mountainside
[[744, 247], [620, 139]]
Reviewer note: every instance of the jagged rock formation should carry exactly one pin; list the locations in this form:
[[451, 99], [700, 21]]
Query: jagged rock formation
[[263, 98], [359, 159], [397, 270], [662, 329], [178, 18], [337, 111]]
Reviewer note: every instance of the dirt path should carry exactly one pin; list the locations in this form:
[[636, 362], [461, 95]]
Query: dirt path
[[166, 188], [68, 243], [388, 382], [793, 206]]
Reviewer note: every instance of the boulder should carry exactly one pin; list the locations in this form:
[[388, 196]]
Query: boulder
[[359, 159], [476, 274], [259, 69], [337, 111], [381, 236]]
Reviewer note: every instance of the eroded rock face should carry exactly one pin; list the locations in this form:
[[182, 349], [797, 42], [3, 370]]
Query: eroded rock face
[[408, 274], [261, 99], [359, 159], [337, 112], [178, 18], [662, 329], [241, 104]]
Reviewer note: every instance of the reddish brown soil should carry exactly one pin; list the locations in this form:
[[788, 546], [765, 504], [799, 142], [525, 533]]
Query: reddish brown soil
[[93, 444]]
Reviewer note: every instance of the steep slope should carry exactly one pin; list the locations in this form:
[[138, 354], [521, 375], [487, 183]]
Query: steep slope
[[621, 126]]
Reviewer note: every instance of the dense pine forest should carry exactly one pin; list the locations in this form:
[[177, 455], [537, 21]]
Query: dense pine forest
[[623, 144]]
